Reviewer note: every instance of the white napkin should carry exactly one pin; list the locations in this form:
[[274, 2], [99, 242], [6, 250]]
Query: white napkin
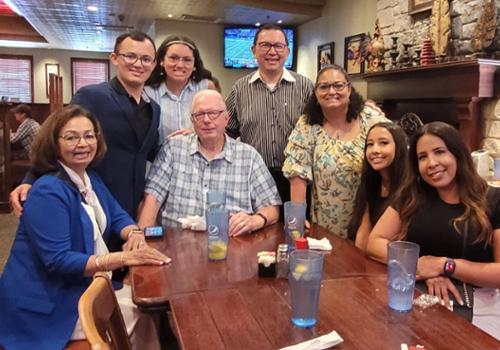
[[323, 342], [319, 244], [195, 223]]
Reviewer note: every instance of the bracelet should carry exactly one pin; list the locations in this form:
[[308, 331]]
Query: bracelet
[[106, 262], [97, 263], [134, 231], [263, 217]]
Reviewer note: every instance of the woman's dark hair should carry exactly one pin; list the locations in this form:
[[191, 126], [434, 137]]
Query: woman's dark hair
[[45, 149], [371, 181], [158, 75], [471, 187], [312, 110]]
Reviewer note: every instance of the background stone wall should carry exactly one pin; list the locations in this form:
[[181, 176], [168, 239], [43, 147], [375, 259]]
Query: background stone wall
[[413, 29]]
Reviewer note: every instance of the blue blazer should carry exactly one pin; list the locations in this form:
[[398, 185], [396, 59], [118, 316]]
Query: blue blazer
[[43, 278], [123, 169]]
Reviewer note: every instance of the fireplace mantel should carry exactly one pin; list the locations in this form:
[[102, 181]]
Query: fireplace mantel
[[448, 91]]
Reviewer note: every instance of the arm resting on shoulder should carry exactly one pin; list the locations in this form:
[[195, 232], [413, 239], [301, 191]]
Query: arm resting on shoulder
[[386, 228]]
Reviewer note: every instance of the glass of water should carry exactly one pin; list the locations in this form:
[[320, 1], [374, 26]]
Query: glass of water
[[402, 258]]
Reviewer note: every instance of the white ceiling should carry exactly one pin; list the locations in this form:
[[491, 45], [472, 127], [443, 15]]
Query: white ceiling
[[69, 24]]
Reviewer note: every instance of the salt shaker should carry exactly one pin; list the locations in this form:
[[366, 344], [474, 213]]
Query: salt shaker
[[282, 261]]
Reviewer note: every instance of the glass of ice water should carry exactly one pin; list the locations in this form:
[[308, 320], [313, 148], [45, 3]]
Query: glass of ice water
[[304, 280], [402, 258]]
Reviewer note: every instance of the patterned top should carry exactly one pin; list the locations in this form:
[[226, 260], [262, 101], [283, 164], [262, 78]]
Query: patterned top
[[175, 110], [264, 117], [181, 175], [333, 166], [26, 133]]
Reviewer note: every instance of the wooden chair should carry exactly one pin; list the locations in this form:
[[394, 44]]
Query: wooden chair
[[101, 318]]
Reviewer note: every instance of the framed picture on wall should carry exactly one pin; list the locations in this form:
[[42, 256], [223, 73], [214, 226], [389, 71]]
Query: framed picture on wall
[[353, 63], [416, 6], [50, 68], [326, 54]]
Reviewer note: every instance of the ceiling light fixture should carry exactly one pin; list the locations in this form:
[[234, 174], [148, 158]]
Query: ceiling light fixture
[[257, 24], [92, 8], [170, 15], [279, 21]]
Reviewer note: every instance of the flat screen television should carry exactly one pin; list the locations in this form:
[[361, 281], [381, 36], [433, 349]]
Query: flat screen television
[[238, 43]]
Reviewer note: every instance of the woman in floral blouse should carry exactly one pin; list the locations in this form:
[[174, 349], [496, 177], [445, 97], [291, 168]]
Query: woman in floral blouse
[[326, 148]]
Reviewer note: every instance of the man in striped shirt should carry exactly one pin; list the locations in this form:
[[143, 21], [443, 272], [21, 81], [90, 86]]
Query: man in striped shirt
[[265, 105]]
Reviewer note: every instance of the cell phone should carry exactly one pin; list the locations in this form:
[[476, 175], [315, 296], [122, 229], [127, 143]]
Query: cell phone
[[153, 232]]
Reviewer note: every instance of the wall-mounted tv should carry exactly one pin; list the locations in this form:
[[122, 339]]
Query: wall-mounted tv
[[238, 43]]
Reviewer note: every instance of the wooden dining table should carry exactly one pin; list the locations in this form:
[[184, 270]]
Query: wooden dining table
[[225, 305]]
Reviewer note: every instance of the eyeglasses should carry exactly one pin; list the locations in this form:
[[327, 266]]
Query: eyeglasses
[[131, 58], [212, 115], [176, 59], [74, 139], [337, 86], [267, 46]]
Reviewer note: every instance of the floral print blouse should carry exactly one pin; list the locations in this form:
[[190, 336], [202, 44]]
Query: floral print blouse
[[333, 166]]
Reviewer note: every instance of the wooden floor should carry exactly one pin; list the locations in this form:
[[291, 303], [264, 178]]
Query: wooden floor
[[8, 226]]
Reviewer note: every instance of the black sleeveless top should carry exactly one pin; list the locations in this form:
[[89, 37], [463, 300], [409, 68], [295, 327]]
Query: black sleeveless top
[[432, 228]]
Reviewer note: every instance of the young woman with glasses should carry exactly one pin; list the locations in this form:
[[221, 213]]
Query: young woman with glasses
[[326, 149], [178, 76]]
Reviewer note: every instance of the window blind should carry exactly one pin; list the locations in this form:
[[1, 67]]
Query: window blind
[[86, 72], [16, 79]]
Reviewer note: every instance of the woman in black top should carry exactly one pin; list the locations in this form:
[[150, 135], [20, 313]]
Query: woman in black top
[[384, 169], [450, 211]]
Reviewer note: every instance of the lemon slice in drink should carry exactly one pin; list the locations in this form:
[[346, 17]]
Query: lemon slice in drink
[[299, 270], [217, 250], [295, 234]]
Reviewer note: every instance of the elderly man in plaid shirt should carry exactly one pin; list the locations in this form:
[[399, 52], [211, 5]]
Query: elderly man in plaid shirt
[[189, 166]]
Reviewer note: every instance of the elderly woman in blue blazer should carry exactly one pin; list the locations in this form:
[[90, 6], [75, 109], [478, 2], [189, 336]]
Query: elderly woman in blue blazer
[[60, 241]]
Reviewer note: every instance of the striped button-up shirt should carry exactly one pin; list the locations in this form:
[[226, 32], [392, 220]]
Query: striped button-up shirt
[[181, 176], [263, 116]]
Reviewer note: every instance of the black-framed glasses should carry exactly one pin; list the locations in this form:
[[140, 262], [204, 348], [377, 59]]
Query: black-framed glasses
[[131, 58], [267, 46], [212, 115], [174, 59], [72, 139], [337, 86]]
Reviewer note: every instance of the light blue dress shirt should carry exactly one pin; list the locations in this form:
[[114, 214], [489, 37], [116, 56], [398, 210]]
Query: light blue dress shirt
[[175, 110]]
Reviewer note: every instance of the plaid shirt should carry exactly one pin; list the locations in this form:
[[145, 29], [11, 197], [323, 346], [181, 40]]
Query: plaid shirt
[[26, 133], [181, 176]]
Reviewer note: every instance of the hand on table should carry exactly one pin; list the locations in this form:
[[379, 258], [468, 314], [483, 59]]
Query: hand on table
[[17, 197], [135, 241], [242, 223], [144, 256], [440, 286]]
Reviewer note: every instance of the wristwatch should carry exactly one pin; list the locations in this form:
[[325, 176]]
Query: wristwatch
[[449, 267]]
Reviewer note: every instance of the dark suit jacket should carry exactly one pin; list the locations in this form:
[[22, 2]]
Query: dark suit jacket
[[123, 169]]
